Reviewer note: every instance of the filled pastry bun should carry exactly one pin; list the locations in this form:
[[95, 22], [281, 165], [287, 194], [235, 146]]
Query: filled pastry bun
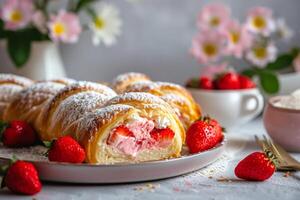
[[177, 96], [122, 81], [27, 104], [10, 86], [133, 127], [68, 105]]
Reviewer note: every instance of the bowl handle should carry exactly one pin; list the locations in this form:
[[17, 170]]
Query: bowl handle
[[259, 104]]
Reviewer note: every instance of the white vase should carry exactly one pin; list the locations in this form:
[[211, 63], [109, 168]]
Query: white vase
[[44, 62], [289, 83]]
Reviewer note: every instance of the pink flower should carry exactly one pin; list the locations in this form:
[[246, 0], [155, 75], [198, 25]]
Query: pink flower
[[296, 63], [16, 14], [213, 16], [39, 21], [212, 70], [238, 39], [207, 46], [260, 55], [260, 20], [64, 27]]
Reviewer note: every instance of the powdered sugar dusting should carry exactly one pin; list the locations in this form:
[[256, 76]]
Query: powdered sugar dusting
[[173, 98], [141, 86], [9, 91], [137, 96], [169, 84], [34, 153], [38, 92], [127, 76], [15, 79], [94, 86], [75, 106], [90, 121], [145, 86]]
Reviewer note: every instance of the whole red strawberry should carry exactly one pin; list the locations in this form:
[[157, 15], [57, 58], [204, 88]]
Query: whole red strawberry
[[66, 149], [255, 167], [18, 134], [228, 81], [22, 178], [203, 134], [246, 82], [206, 83]]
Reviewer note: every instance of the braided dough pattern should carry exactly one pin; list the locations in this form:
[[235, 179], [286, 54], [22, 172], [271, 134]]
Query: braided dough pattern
[[90, 112]]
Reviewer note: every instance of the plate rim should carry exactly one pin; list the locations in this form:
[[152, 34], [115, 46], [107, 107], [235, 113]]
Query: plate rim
[[157, 162]]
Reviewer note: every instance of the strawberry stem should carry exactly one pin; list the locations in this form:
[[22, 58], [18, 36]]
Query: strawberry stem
[[3, 126], [4, 168], [272, 157], [48, 144]]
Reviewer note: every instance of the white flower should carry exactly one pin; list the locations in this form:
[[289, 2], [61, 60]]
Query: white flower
[[260, 20], [260, 56], [106, 25], [283, 30]]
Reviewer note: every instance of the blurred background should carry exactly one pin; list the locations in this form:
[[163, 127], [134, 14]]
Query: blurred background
[[156, 38]]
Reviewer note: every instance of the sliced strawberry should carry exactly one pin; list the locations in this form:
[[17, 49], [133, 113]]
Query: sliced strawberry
[[164, 136], [119, 131]]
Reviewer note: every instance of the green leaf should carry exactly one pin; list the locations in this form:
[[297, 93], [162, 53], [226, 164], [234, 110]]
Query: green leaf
[[34, 34], [193, 83], [3, 126], [295, 51], [18, 47], [269, 81], [83, 3], [282, 61], [249, 72], [2, 31], [48, 144]]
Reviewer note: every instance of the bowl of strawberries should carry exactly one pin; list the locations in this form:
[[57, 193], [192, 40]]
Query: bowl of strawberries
[[231, 98]]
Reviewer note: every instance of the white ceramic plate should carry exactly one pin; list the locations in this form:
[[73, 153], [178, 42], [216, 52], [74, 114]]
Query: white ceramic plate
[[124, 173]]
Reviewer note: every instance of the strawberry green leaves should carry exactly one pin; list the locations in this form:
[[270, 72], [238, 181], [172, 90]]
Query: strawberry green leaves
[[268, 79], [3, 126]]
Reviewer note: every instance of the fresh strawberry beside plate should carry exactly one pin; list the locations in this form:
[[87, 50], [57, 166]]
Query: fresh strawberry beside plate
[[18, 133], [203, 134], [255, 167], [22, 177], [66, 149]]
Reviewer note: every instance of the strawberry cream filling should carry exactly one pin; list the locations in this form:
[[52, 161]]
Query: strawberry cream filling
[[139, 134]]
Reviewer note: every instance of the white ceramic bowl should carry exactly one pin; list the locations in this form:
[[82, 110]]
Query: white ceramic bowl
[[230, 107]]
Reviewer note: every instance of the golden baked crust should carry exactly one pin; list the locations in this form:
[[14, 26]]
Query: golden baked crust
[[27, 104], [122, 81], [90, 111], [10, 86], [93, 129], [177, 96], [68, 105]]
